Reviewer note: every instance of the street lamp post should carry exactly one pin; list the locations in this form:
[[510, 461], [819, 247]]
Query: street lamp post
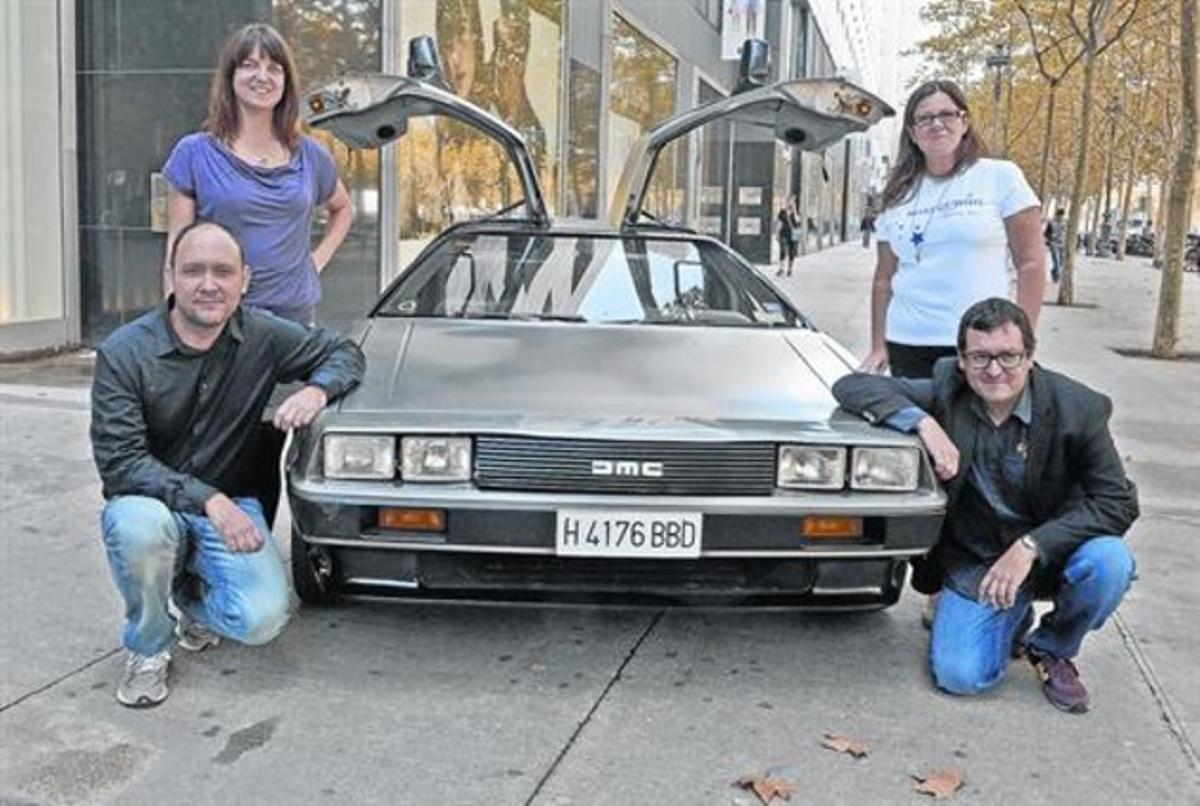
[[1106, 227], [998, 60]]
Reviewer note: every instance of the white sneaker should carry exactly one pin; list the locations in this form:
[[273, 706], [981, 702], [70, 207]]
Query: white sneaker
[[144, 683]]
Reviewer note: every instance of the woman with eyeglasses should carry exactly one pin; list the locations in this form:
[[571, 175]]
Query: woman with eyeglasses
[[950, 219], [252, 171]]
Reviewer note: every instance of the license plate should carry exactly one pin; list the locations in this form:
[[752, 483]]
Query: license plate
[[628, 533]]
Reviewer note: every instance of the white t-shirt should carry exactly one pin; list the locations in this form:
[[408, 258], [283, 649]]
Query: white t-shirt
[[963, 251]]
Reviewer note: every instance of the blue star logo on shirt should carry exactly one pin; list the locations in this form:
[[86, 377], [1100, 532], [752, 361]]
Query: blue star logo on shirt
[[918, 238]]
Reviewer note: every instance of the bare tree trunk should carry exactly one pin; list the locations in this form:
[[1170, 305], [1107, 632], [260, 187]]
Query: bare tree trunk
[[1160, 216], [1066, 286], [1047, 138], [1170, 297]]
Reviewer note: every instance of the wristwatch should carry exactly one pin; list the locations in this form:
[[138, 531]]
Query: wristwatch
[[1031, 544]]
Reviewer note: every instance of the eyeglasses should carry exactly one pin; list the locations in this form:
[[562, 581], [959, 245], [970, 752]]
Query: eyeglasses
[[981, 360], [945, 118]]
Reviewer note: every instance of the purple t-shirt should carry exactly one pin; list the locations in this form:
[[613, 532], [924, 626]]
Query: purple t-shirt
[[270, 211]]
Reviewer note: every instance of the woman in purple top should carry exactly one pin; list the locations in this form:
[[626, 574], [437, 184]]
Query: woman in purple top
[[253, 172]]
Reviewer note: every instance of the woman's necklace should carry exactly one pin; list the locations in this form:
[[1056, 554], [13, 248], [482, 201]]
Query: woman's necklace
[[918, 233], [256, 158]]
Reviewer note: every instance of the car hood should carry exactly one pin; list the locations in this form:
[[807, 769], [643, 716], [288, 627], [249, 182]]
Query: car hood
[[605, 380]]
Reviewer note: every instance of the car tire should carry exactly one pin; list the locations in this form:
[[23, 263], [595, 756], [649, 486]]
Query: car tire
[[311, 583]]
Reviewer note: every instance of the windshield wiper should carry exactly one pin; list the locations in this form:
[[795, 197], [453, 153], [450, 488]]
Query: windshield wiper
[[524, 317], [552, 317]]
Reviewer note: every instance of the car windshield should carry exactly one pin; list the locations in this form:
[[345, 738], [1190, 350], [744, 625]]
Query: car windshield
[[585, 278]]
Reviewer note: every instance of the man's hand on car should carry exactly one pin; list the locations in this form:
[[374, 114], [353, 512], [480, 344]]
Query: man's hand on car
[[941, 448], [233, 524], [301, 408]]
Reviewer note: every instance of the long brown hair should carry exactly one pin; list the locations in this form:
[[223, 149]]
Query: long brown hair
[[910, 162], [223, 120]]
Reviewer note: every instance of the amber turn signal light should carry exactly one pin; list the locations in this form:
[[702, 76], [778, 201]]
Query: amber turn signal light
[[412, 520], [817, 526]]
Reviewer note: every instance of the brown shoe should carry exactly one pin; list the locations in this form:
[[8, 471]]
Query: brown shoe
[[1060, 683]]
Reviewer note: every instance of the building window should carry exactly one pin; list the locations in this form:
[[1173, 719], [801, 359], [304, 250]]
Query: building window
[[506, 58], [710, 10], [331, 40], [712, 206], [142, 81], [642, 94], [799, 40]]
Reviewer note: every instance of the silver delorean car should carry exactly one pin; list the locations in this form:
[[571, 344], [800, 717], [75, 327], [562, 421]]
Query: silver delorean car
[[622, 411]]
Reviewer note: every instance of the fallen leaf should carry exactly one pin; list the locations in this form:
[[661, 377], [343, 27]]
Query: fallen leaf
[[767, 787], [941, 784], [844, 744]]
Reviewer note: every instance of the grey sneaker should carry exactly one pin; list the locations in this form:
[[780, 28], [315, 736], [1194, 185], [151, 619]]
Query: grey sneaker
[[144, 682], [194, 636]]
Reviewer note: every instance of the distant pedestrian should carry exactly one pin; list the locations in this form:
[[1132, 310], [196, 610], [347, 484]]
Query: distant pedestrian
[[1055, 236], [787, 229], [867, 227], [1038, 503], [176, 398]]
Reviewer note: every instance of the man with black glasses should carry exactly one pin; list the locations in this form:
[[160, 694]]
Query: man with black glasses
[[1038, 503]]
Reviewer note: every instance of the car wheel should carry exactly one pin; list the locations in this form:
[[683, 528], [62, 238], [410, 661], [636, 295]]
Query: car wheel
[[312, 572]]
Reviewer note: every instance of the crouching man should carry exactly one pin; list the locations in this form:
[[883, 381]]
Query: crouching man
[[1038, 503], [175, 401]]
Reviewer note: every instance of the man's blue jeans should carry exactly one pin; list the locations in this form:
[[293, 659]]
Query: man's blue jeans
[[971, 641], [151, 550]]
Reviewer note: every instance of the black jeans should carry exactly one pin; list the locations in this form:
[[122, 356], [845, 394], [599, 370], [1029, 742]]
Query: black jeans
[[267, 450], [915, 360]]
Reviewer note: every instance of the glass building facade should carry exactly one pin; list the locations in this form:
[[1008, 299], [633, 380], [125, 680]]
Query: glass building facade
[[581, 79]]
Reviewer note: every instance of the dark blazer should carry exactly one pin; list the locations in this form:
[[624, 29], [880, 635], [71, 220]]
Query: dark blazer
[[1075, 484]]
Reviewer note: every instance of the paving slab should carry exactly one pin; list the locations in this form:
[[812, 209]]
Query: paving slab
[[710, 698]]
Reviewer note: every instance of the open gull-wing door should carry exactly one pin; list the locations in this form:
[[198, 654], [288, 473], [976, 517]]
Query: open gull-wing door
[[370, 110], [809, 113]]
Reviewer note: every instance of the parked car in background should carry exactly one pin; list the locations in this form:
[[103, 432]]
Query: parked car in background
[[1140, 244], [581, 408]]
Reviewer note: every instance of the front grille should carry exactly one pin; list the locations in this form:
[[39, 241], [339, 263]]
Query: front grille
[[566, 465]]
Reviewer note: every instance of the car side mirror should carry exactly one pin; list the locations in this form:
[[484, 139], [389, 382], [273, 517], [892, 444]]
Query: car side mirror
[[424, 64], [754, 67]]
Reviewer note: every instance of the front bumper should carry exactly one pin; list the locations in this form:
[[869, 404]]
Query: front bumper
[[502, 545]]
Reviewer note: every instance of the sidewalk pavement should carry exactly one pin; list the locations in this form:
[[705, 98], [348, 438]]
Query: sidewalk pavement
[[422, 703]]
